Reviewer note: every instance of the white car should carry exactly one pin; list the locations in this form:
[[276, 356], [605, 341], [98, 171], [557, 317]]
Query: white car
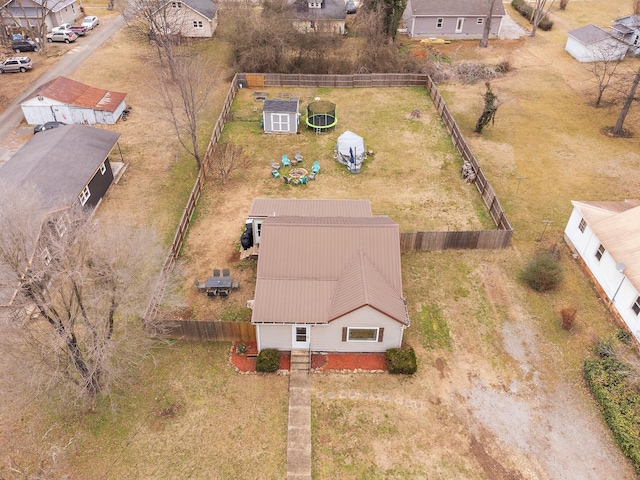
[[90, 22]]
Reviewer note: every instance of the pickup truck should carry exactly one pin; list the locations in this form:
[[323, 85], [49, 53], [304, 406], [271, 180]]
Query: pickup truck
[[77, 29]]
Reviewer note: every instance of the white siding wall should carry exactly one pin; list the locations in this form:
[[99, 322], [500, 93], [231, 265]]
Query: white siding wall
[[586, 245], [606, 49], [274, 336]]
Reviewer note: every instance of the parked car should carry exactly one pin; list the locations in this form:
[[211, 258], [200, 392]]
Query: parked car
[[47, 126], [351, 7], [90, 22], [66, 36], [24, 46], [77, 29], [16, 64]]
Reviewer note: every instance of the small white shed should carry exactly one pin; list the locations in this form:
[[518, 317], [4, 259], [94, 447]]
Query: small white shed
[[280, 116], [67, 101], [594, 44]]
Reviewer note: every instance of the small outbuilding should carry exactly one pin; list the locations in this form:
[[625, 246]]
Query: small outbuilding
[[350, 151], [67, 101], [280, 116], [594, 44]]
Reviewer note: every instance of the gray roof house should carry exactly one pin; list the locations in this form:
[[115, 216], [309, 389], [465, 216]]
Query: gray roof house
[[329, 284], [280, 116], [591, 43], [453, 19], [319, 16], [24, 13], [627, 28], [187, 18], [63, 166]]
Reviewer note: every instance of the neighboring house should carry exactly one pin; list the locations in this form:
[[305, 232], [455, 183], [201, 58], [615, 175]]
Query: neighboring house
[[594, 44], [64, 166], [329, 284], [606, 238], [628, 29], [319, 16], [67, 101], [461, 19], [29, 13], [280, 116], [187, 18]]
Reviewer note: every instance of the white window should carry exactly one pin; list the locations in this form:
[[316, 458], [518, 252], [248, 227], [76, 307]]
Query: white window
[[362, 334], [280, 122], [459, 25], [197, 24], [84, 196], [480, 20], [439, 22], [103, 168], [176, 4], [636, 306], [582, 225], [600, 252]]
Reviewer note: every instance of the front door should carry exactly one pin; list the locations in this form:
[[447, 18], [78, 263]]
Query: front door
[[301, 337], [459, 25]]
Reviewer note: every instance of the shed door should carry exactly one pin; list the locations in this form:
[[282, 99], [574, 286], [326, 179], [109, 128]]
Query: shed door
[[280, 122], [301, 337], [459, 25]]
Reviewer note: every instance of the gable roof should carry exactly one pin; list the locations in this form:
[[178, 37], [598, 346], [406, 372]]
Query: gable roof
[[452, 8], [617, 226], [280, 105], [589, 34], [268, 207], [313, 270], [50, 5], [78, 94], [206, 8], [634, 19], [59, 163], [330, 10]]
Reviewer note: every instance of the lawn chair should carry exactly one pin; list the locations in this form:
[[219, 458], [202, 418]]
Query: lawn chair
[[216, 272], [200, 286], [285, 161], [226, 272], [274, 165], [303, 180], [287, 180], [299, 157], [312, 176], [235, 285], [316, 167], [275, 173]]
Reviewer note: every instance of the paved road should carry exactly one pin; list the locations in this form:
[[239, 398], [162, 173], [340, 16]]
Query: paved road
[[85, 46]]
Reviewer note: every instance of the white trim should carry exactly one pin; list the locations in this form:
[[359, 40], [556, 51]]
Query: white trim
[[306, 334], [377, 329], [103, 168], [85, 195]]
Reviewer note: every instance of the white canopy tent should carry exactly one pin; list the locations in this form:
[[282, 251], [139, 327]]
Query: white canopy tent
[[350, 151]]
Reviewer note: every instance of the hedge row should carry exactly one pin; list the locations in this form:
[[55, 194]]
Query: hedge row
[[526, 10], [619, 401]]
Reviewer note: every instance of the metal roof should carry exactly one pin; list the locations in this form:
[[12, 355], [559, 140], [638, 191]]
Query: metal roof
[[78, 94], [270, 207], [454, 8], [330, 10], [617, 226], [313, 270], [59, 163]]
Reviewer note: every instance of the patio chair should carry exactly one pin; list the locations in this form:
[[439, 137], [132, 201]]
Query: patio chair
[[199, 286], [316, 167], [216, 272], [294, 161], [312, 176], [287, 180], [303, 180], [285, 161], [299, 157], [235, 285], [275, 173], [226, 272], [274, 165]]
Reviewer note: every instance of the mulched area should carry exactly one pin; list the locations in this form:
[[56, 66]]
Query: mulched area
[[320, 362]]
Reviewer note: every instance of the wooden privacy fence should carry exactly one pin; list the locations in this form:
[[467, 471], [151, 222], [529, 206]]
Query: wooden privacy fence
[[409, 241], [210, 331]]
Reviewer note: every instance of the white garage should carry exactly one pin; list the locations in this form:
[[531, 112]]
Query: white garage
[[594, 44]]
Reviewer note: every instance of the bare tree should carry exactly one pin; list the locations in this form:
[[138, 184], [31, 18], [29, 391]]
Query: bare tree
[[618, 130], [29, 17], [490, 108], [484, 42], [81, 287], [185, 85], [226, 158], [563, 4], [604, 69], [539, 14]]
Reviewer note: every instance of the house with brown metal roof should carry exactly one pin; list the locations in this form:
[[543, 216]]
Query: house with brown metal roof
[[462, 19], [329, 284], [605, 237], [67, 101]]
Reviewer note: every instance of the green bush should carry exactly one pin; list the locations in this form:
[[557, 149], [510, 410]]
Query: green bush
[[268, 360], [401, 361], [545, 24], [619, 400], [526, 10], [543, 272]]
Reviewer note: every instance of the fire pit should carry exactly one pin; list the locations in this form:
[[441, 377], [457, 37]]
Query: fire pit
[[297, 173]]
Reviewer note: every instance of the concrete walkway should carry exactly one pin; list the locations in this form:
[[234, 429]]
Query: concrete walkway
[[299, 432]]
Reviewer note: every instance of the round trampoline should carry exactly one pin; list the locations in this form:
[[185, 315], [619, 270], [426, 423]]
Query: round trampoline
[[321, 116]]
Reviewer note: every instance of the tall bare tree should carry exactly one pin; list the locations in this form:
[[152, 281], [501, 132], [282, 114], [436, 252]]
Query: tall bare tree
[[604, 68], [618, 129], [81, 287], [484, 42], [539, 14], [30, 17]]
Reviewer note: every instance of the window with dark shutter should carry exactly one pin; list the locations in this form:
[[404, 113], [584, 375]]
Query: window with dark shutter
[[344, 334], [380, 333]]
